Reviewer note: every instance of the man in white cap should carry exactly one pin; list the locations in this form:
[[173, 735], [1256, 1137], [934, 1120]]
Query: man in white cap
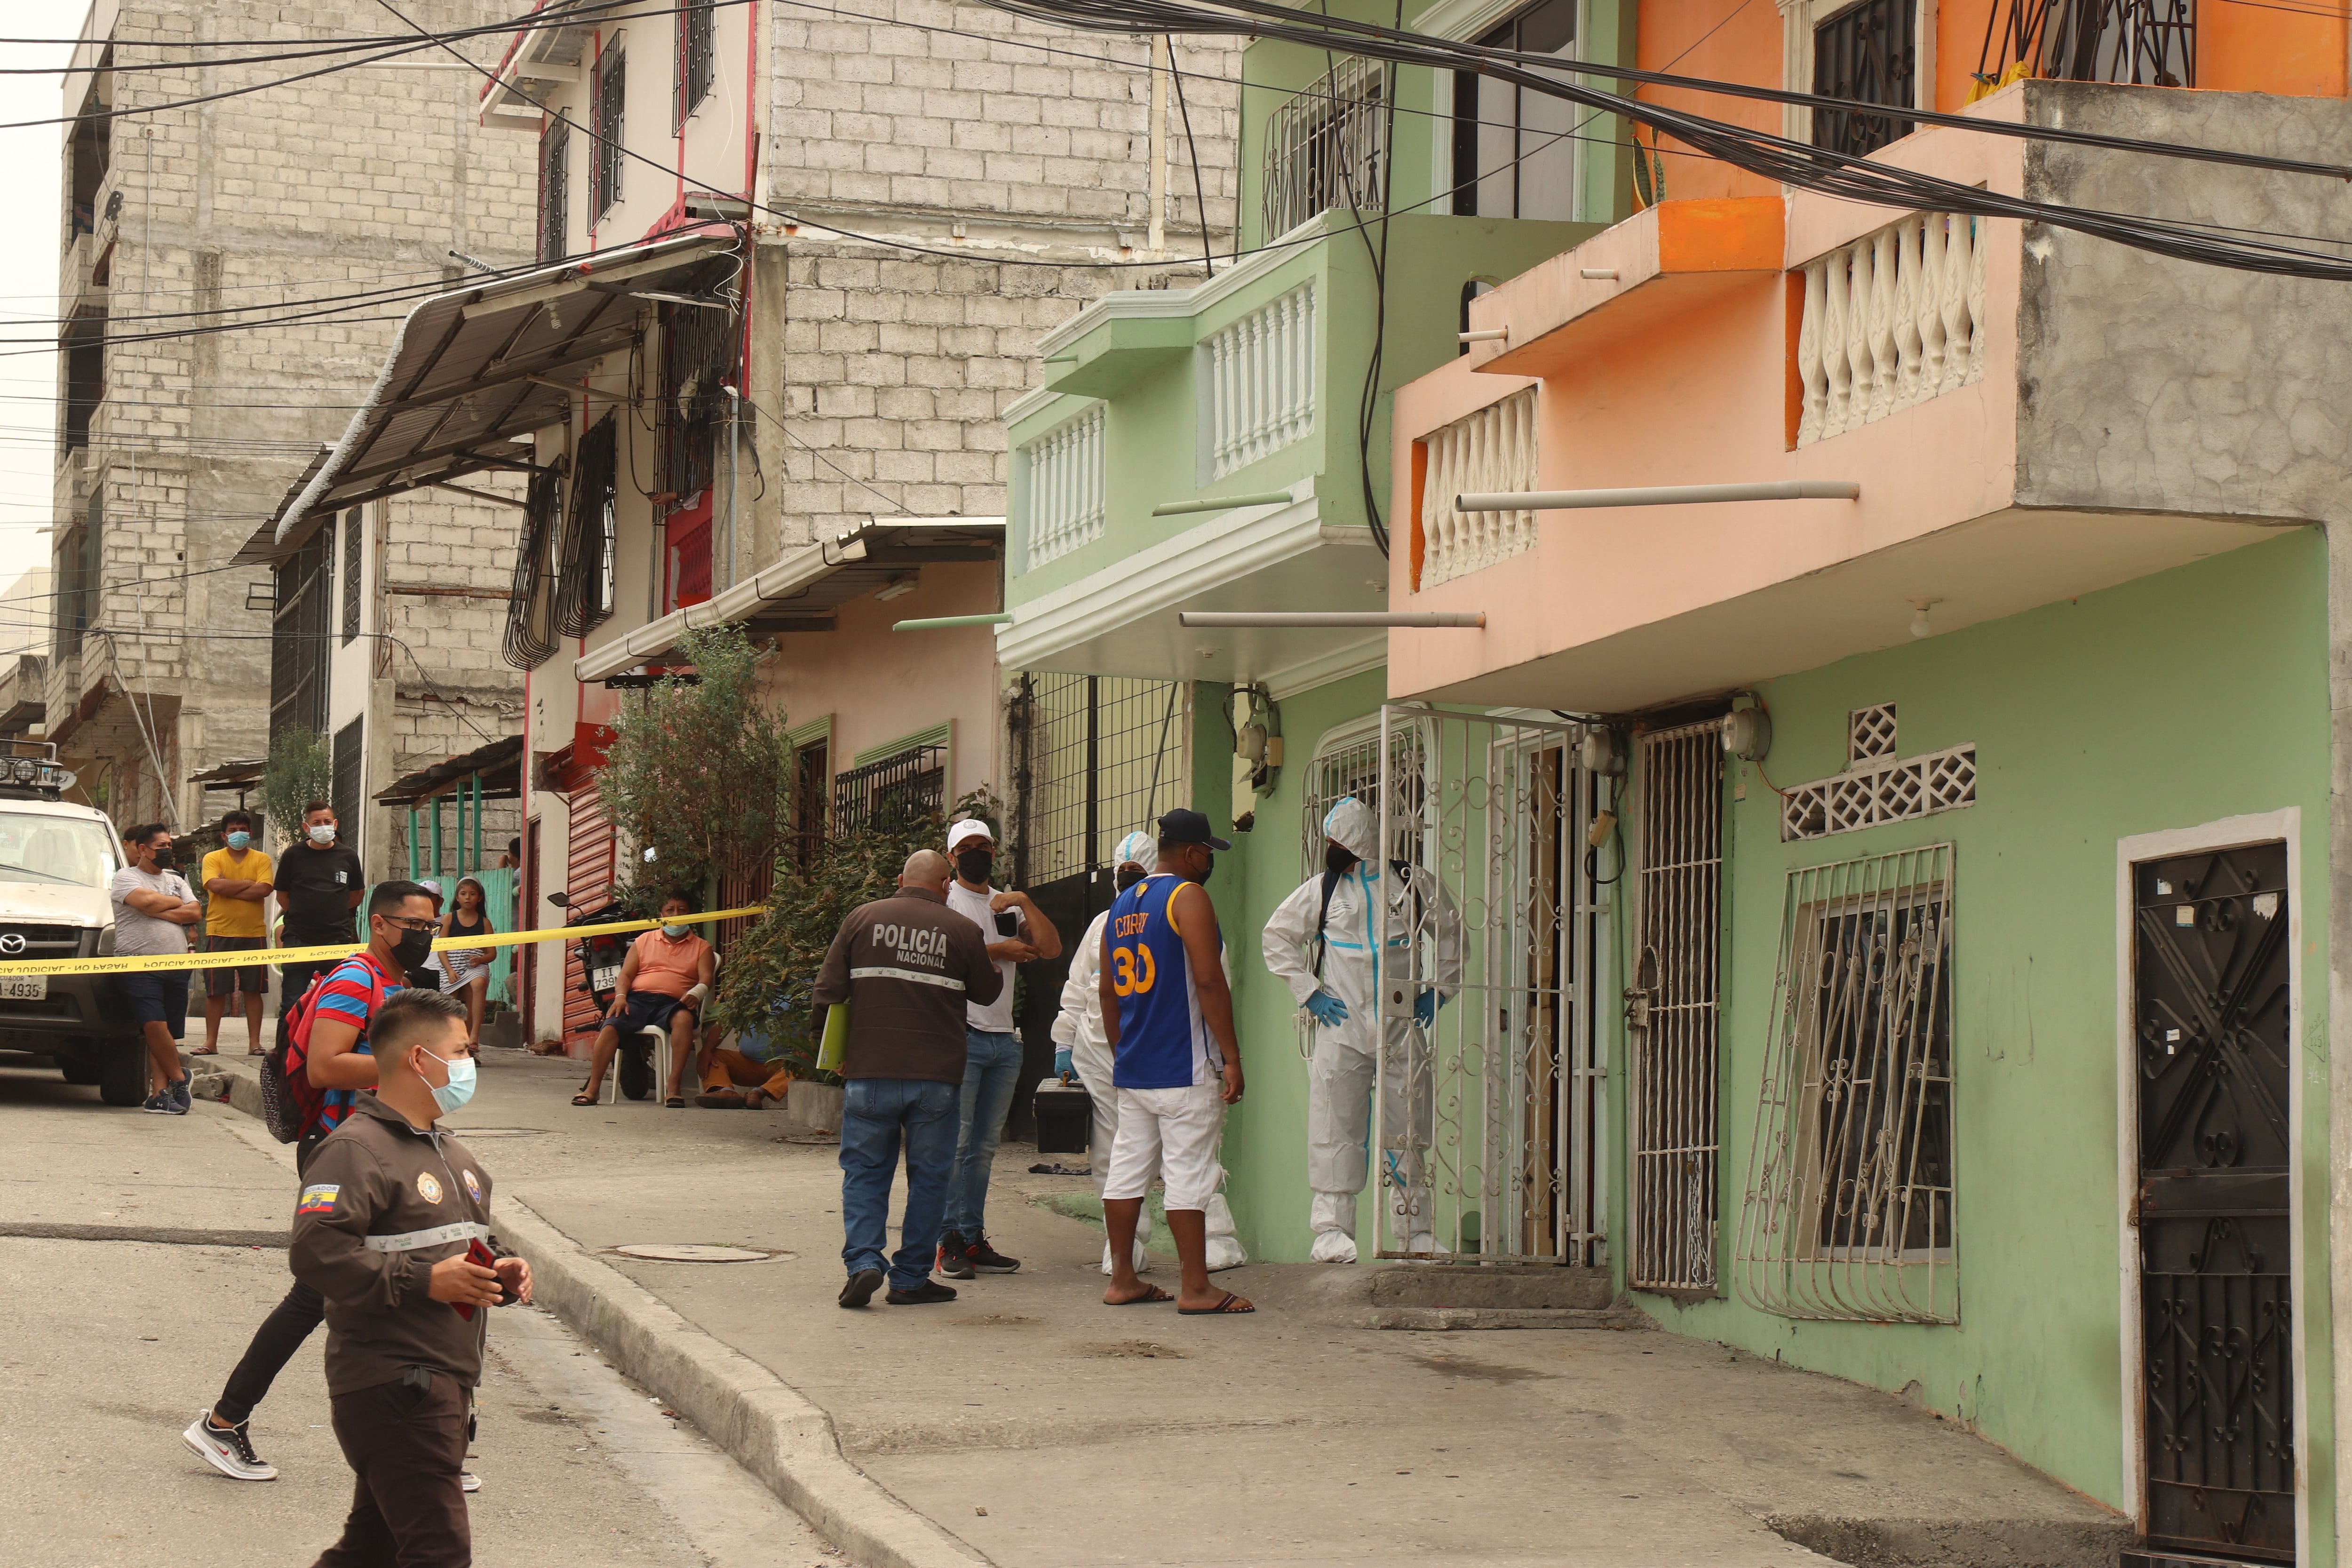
[[1324, 944], [1081, 1046], [1018, 932]]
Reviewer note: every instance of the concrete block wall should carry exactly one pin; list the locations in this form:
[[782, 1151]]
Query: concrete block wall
[[358, 180]]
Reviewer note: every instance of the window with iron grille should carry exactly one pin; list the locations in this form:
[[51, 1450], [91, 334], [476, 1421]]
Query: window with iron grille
[[352, 534], [297, 646], [1095, 757], [1849, 1200], [894, 792], [698, 38], [79, 557], [532, 609], [811, 767], [1326, 146], [345, 795], [1514, 150], [2151, 43], [583, 577], [84, 344], [1867, 52], [607, 121], [555, 191], [697, 359]]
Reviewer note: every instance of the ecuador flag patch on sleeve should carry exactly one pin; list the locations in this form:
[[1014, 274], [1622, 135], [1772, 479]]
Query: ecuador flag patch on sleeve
[[318, 1198]]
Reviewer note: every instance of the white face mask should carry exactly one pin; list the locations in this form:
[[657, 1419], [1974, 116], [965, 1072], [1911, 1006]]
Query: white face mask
[[452, 1097], [323, 833]]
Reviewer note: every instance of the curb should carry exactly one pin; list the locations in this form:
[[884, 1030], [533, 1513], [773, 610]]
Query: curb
[[763, 1424]]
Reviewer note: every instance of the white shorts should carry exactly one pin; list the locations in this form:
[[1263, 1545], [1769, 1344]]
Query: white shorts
[[1171, 1133]]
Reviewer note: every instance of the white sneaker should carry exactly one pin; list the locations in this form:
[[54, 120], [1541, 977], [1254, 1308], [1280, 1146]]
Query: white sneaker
[[469, 1481], [230, 1452], [1333, 1247]]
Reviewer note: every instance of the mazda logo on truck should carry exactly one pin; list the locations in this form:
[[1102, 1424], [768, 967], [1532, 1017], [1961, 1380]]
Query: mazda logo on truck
[[11, 944]]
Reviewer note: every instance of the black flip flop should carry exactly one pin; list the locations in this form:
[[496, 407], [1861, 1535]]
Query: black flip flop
[[674, 1103], [1151, 1294], [1224, 1309], [583, 1098]]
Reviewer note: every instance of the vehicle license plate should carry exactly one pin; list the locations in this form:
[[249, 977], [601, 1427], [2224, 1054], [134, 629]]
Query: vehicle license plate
[[604, 979], [23, 988]]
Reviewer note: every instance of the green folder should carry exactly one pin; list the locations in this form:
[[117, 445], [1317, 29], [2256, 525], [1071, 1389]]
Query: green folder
[[835, 1043]]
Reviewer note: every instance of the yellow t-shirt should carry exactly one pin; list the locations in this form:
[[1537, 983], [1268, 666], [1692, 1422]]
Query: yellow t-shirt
[[234, 916]]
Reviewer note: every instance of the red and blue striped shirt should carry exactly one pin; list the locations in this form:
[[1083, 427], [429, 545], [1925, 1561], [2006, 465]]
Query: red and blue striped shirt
[[350, 994]]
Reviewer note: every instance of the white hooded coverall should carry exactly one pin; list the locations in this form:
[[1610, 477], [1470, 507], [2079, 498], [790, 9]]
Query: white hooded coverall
[[1078, 1030], [1345, 1066]]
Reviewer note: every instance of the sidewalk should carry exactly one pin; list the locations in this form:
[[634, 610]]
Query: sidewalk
[[1041, 1429]]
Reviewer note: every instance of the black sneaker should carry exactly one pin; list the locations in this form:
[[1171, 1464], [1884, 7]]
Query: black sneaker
[[923, 1295], [181, 1102], [988, 1260], [955, 1257], [861, 1288]]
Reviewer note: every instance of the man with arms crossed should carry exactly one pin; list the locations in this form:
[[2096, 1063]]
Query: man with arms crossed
[[1177, 1063], [391, 1230], [152, 911], [238, 878], [907, 966]]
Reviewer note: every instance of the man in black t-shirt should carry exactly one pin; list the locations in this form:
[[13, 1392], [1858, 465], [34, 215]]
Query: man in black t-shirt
[[319, 885]]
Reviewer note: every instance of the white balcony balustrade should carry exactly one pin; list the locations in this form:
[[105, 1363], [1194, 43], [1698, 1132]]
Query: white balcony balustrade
[[1062, 502], [1893, 319], [1260, 386], [1491, 451]]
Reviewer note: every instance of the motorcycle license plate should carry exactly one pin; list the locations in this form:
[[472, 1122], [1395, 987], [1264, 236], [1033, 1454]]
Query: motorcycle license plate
[[603, 979], [23, 988]]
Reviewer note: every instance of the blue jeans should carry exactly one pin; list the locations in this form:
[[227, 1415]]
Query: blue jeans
[[991, 1070], [877, 1114]]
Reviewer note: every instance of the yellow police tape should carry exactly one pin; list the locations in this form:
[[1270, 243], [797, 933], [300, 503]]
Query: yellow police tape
[[248, 958]]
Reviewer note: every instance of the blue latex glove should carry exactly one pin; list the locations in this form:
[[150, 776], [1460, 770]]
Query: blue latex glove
[[1328, 1010], [1062, 1067], [1424, 1008]]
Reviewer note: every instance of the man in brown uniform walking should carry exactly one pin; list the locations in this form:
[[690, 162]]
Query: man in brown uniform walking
[[391, 1229], [905, 965]]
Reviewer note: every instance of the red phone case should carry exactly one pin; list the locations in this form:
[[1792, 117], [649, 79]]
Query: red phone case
[[478, 1253]]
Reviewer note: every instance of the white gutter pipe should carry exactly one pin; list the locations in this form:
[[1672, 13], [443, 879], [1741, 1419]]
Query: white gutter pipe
[[1331, 619], [1659, 495]]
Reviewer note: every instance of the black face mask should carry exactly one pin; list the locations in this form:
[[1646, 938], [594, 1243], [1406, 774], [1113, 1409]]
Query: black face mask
[[413, 949], [974, 864], [1128, 877], [1338, 857], [165, 861], [1208, 864]]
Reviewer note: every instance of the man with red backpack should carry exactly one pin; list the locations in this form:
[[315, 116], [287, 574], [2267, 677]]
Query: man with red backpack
[[326, 1064]]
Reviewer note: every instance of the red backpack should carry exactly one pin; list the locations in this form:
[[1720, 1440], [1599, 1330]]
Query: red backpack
[[291, 1105]]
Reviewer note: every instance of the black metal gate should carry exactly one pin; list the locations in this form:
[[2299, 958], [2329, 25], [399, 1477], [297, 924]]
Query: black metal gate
[[2211, 1021]]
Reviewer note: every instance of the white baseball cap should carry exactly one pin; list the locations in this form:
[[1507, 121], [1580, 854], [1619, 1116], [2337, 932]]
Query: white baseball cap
[[969, 827]]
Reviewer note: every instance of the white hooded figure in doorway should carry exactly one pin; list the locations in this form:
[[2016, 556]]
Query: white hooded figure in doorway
[[1081, 1046], [1323, 943]]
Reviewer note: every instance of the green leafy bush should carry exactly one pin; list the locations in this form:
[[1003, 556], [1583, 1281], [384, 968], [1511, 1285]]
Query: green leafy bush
[[301, 769]]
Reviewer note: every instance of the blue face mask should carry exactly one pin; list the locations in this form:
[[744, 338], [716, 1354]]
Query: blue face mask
[[453, 1096], [676, 933], [240, 841]]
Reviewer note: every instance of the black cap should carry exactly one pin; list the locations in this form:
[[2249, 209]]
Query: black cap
[[1185, 826]]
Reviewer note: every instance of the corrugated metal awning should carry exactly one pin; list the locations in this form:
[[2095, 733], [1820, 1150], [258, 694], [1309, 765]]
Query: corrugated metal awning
[[473, 372], [800, 592], [499, 766]]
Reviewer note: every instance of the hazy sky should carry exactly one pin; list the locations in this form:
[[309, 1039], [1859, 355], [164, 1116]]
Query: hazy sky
[[29, 173]]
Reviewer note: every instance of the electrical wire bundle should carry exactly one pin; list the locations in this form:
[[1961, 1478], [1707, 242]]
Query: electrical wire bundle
[[1776, 158]]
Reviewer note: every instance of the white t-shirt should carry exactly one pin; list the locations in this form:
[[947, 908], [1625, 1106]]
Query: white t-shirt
[[138, 935], [996, 1018]]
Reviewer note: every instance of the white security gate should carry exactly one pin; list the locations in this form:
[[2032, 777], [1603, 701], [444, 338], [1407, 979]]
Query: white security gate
[[1485, 1148]]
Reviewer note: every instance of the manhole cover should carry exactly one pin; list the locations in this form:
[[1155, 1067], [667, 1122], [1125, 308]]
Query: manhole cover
[[689, 1252]]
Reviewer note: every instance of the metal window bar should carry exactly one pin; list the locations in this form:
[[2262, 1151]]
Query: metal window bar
[[1326, 146], [607, 121], [1868, 53], [2149, 43], [555, 189], [1102, 755], [1673, 1026], [697, 359], [697, 35], [530, 635], [892, 791], [583, 585], [352, 536], [344, 789], [1485, 1120], [298, 649], [1847, 1212]]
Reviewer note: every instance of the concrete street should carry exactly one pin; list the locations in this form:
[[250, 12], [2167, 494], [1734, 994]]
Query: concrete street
[[112, 1345], [1042, 1429]]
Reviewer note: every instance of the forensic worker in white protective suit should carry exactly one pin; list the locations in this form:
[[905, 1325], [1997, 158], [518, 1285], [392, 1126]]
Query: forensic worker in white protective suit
[[1081, 1044], [1322, 941]]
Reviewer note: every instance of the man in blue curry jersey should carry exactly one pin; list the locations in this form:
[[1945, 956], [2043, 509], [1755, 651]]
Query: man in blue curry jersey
[[1176, 1062]]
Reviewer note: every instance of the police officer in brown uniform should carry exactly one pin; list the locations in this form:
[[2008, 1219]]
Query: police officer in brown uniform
[[391, 1229]]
